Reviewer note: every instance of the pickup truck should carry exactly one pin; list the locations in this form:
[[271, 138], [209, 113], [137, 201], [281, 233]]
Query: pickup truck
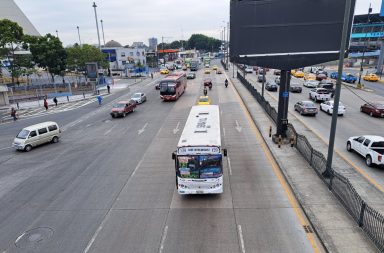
[[369, 146], [319, 94]]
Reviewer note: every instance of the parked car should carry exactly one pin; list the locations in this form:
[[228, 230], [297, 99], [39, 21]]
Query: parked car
[[370, 147], [139, 97], [319, 94], [204, 100], [208, 82], [122, 108], [271, 86], [311, 84], [191, 75], [295, 88], [35, 135], [306, 108], [374, 109], [260, 78], [248, 69], [371, 77], [320, 77], [277, 72], [327, 107]]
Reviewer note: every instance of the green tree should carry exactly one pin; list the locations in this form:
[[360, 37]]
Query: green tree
[[48, 52], [22, 65], [78, 56], [202, 42], [11, 36]]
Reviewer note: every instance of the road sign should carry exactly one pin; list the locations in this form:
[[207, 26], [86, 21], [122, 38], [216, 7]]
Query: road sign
[[285, 94]]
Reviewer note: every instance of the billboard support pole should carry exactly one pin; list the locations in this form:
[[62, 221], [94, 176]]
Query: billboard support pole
[[344, 41], [282, 113]]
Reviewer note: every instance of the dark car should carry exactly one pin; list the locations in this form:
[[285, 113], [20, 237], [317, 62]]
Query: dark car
[[306, 108], [191, 76], [295, 88], [277, 72], [328, 85], [260, 78], [374, 109], [320, 71], [271, 86], [321, 76], [122, 108], [208, 82]]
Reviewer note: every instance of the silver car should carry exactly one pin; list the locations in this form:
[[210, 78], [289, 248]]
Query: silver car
[[139, 97]]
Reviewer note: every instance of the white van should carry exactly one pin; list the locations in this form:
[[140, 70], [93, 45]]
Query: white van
[[35, 135]]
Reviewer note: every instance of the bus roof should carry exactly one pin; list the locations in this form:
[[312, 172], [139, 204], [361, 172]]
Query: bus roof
[[174, 76], [202, 127]]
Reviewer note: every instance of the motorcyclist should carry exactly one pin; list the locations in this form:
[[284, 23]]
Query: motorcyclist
[[226, 83]]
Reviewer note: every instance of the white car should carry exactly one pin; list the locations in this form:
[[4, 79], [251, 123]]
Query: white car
[[139, 97], [371, 147], [320, 94], [248, 70], [311, 83], [328, 108]]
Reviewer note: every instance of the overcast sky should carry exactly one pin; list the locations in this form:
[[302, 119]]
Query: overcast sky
[[127, 21]]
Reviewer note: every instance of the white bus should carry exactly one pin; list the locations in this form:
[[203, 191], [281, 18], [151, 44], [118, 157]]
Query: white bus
[[198, 159]]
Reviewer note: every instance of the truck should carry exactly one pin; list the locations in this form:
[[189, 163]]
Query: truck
[[370, 147], [194, 65]]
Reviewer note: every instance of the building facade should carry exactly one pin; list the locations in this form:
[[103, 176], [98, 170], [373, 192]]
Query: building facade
[[152, 42], [121, 57]]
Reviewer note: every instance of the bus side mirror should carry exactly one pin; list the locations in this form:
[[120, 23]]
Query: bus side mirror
[[225, 152], [173, 156]]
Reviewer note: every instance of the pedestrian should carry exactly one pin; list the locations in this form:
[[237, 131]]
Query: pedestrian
[[13, 114], [55, 100], [109, 89], [46, 104], [100, 99], [151, 75]]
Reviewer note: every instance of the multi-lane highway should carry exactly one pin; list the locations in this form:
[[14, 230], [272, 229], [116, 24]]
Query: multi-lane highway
[[109, 185]]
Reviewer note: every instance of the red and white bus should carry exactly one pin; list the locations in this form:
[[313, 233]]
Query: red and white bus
[[173, 86]]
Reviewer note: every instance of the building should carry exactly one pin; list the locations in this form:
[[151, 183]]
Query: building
[[152, 42], [4, 100], [138, 44], [120, 57], [10, 10]]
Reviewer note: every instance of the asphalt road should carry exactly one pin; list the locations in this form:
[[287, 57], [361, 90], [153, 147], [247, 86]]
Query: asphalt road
[[353, 123], [109, 185]]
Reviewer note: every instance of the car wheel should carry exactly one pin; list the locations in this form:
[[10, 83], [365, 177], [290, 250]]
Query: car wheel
[[329, 112], [361, 109], [349, 147], [28, 148], [368, 161], [371, 114], [124, 114], [316, 99], [301, 112], [133, 110], [55, 139]]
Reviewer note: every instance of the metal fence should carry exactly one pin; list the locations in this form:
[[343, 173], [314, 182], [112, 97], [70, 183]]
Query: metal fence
[[370, 220]]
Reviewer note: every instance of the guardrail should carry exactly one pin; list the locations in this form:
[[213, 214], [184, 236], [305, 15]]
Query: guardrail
[[370, 220]]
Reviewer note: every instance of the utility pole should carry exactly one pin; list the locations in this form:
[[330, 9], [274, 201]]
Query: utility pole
[[78, 32], [344, 41], [227, 44], [97, 24], [57, 33], [364, 48], [102, 31]]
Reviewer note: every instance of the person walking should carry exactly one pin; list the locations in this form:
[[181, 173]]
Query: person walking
[[13, 114], [109, 89], [46, 104], [151, 75], [100, 99], [55, 100]]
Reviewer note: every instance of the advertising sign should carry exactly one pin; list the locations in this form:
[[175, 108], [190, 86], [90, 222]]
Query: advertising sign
[[91, 69]]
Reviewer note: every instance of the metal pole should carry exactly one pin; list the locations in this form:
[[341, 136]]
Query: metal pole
[[97, 24], [282, 111], [227, 56], [102, 31], [78, 33], [344, 41], [57, 33], [263, 83]]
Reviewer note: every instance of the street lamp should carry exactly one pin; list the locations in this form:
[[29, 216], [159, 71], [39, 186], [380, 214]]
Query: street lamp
[[57, 33], [97, 24], [78, 32], [102, 31], [364, 48]]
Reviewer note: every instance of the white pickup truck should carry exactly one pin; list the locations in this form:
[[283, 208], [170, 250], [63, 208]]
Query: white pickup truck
[[369, 146], [319, 94]]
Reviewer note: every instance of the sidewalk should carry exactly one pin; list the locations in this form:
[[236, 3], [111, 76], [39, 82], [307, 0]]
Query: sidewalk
[[334, 226]]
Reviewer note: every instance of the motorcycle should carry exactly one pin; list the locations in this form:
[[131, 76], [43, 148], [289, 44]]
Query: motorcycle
[[210, 86]]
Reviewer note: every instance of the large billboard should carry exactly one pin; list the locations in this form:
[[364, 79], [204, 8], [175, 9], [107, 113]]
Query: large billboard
[[382, 9], [286, 34]]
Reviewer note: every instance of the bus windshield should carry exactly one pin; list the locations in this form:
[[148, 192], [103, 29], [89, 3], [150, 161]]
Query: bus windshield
[[199, 166], [167, 88]]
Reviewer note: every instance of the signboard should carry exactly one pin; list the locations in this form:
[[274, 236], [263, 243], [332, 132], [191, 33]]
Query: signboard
[[91, 69], [198, 150], [285, 94], [367, 35], [382, 9], [286, 34]]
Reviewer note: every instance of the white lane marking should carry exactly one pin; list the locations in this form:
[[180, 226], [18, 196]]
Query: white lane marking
[[94, 237], [142, 129], [238, 127], [224, 131], [18, 238], [5, 148], [229, 165], [137, 167], [109, 130], [165, 232], [241, 238], [177, 128], [88, 125]]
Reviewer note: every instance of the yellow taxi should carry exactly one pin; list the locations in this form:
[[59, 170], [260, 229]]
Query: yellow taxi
[[371, 77], [214, 67], [164, 71], [309, 76], [207, 71], [204, 100], [293, 71], [298, 74]]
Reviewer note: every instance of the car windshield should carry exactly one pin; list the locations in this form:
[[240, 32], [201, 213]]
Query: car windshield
[[379, 106], [167, 88], [23, 134], [136, 95], [204, 99], [308, 104], [119, 105], [199, 166]]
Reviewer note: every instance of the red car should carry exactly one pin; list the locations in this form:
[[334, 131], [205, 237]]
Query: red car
[[321, 76], [374, 109], [122, 108], [208, 82]]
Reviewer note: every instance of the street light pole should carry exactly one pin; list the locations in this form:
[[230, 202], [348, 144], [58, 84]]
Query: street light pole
[[78, 33], [364, 48], [102, 30], [227, 43], [97, 24], [57, 33]]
